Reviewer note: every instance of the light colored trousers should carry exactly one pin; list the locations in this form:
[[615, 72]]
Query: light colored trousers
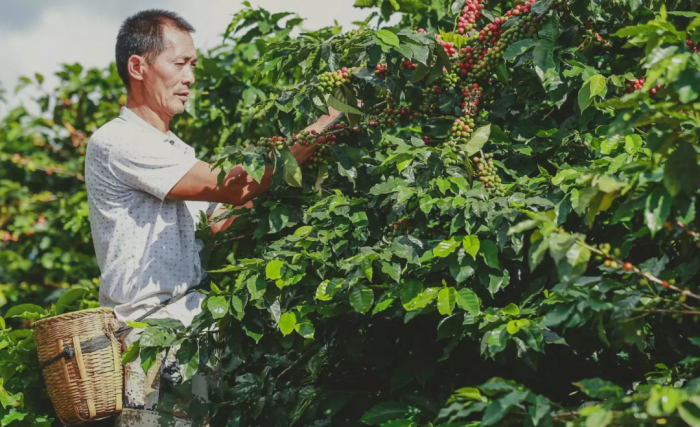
[[157, 399]]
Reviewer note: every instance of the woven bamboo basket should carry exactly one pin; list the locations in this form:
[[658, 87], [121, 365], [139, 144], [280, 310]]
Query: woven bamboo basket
[[87, 386]]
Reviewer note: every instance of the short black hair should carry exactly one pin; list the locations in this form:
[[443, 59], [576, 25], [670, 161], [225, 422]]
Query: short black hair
[[142, 34]]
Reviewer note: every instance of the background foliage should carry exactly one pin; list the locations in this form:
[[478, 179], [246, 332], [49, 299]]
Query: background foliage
[[387, 285]]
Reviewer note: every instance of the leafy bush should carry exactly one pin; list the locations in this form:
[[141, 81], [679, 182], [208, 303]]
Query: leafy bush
[[515, 197]]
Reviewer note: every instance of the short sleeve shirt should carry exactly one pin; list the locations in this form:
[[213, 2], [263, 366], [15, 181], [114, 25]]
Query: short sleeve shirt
[[145, 244]]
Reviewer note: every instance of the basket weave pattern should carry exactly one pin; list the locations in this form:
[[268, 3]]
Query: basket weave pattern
[[89, 386]]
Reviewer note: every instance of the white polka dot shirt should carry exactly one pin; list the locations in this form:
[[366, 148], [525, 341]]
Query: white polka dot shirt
[[145, 244]]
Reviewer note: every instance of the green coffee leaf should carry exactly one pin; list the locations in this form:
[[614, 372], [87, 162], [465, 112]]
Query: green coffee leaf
[[489, 251], [287, 322], [478, 139], [256, 286], [292, 171], [384, 412], [25, 311], [445, 248], [273, 270], [217, 306], [387, 37], [471, 245], [361, 298], [682, 173], [447, 298], [467, 300]]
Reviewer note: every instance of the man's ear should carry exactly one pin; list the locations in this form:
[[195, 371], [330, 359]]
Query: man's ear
[[135, 66]]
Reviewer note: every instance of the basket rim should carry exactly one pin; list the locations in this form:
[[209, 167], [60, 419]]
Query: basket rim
[[73, 313]]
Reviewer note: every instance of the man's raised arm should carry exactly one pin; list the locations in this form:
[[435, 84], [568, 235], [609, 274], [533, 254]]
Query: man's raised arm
[[201, 182]]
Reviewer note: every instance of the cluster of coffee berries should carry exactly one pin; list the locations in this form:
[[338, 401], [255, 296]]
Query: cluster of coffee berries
[[402, 112], [306, 137], [472, 91], [480, 62], [326, 136], [380, 70], [452, 143], [656, 88], [471, 57], [470, 14], [448, 46], [636, 84], [462, 129], [276, 142], [488, 175], [449, 79], [392, 115], [398, 227], [526, 27], [614, 264], [611, 263], [454, 148], [692, 46], [492, 32], [6, 236], [421, 31], [410, 66], [330, 80], [382, 119], [318, 158], [521, 9], [430, 105], [611, 255], [432, 91]]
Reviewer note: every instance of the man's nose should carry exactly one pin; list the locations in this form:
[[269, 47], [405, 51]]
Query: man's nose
[[188, 77]]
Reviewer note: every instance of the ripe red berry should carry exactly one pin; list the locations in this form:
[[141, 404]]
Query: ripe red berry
[[627, 266], [665, 284]]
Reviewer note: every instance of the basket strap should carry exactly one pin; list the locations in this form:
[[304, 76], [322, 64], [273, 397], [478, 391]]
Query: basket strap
[[89, 346]]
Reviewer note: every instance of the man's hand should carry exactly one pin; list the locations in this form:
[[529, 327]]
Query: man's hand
[[201, 182], [303, 153], [219, 226]]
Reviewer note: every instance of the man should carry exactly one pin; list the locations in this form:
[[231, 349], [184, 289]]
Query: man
[[145, 191]]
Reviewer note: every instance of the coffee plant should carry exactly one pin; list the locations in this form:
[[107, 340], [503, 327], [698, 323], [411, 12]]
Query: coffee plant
[[500, 230]]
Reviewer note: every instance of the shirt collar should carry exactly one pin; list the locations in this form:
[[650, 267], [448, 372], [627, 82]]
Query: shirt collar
[[132, 118]]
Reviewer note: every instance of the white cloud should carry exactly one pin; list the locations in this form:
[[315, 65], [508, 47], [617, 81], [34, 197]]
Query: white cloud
[[45, 34]]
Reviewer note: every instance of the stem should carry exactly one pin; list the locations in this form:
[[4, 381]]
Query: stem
[[691, 233], [662, 310], [650, 277], [566, 414]]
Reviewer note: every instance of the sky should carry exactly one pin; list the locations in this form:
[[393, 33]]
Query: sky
[[38, 35]]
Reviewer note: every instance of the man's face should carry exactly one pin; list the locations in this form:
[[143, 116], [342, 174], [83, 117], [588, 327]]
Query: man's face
[[168, 79]]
